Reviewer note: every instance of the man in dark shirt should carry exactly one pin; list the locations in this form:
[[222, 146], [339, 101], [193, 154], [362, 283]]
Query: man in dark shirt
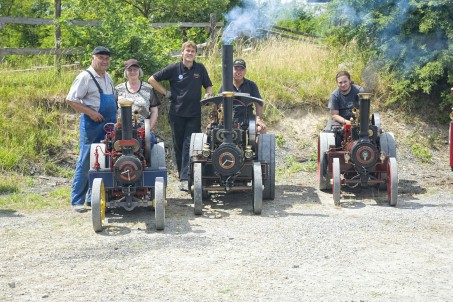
[[186, 79], [343, 99], [243, 85]]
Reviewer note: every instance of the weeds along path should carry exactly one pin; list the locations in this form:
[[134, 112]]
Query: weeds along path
[[302, 247]]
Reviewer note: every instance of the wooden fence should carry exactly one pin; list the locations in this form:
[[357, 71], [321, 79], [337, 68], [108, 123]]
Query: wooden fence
[[210, 26]]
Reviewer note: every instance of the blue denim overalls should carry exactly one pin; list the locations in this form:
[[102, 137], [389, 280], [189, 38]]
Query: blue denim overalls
[[91, 132]]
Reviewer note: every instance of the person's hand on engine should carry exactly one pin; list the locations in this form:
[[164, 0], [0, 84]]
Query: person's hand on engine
[[261, 126]]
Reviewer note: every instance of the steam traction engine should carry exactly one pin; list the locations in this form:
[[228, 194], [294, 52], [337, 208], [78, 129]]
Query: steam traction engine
[[231, 156], [127, 169], [358, 154]]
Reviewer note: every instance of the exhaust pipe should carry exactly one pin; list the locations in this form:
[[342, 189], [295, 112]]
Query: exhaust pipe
[[227, 81], [364, 108]]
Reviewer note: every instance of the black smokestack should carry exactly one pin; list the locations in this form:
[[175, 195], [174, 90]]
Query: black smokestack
[[126, 120], [364, 108], [227, 67], [227, 81]]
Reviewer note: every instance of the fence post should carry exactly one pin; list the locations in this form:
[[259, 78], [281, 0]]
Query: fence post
[[57, 57], [212, 28]]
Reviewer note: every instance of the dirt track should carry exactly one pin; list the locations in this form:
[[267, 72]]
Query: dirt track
[[302, 247]]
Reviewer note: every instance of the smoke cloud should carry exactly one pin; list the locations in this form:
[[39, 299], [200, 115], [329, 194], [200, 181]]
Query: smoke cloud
[[410, 50], [253, 16]]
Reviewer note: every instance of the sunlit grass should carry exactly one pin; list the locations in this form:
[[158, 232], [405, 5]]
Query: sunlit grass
[[33, 201], [290, 73], [15, 194], [33, 119]]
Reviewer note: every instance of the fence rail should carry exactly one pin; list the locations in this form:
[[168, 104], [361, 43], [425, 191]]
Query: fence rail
[[39, 51], [43, 21], [212, 26]]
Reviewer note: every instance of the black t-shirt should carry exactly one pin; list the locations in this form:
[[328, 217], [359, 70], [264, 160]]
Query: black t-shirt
[[249, 87], [345, 103], [185, 87]]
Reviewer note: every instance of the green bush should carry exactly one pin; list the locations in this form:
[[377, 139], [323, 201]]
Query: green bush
[[422, 153]]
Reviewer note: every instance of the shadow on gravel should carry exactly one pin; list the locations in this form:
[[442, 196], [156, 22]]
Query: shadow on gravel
[[359, 197], [408, 203], [221, 205], [117, 219], [114, 230], [296, 194], [9, 213], [410, 187]]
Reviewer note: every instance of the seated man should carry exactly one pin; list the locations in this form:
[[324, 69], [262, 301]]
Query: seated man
[[343, 100], [243, 85]]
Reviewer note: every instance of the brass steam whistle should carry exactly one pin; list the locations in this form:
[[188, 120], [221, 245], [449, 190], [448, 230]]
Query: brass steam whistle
[[356, 118], [220, 114], [135, 118]]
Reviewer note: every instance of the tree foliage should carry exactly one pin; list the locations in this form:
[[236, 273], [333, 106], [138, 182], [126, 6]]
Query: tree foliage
[[125, 27], [20, 35], [411, 40]]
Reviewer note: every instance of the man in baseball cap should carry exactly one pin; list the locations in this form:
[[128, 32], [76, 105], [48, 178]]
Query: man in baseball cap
[[239, 63], [101, 50], [92, 94], [243, 85]]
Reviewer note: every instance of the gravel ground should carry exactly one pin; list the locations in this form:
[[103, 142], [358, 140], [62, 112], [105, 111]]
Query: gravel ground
[[302, 247]]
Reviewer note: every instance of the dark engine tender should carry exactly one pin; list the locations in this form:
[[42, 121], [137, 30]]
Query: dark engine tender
[[127, 169], [358, 154], [231, 156]]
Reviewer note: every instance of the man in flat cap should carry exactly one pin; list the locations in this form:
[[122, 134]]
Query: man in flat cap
[[91, 94]]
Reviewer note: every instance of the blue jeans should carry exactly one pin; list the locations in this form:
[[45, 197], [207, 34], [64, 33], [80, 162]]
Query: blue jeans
[[80, 183], [90, 132]]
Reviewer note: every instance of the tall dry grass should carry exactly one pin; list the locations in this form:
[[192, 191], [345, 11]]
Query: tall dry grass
[[291, 73]]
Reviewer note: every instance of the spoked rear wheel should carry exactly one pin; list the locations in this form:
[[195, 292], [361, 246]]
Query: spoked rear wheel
[[159, 203], [392, 181], [98, 204], [387, 145], [266, 152], [325, 139], [158, 156], [336, 185], [257, 188]]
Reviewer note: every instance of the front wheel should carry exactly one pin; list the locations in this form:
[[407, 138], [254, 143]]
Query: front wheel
[[257, 188], [392, 181], [336, 184], [197, 189], [159, 203], [98, 204]]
